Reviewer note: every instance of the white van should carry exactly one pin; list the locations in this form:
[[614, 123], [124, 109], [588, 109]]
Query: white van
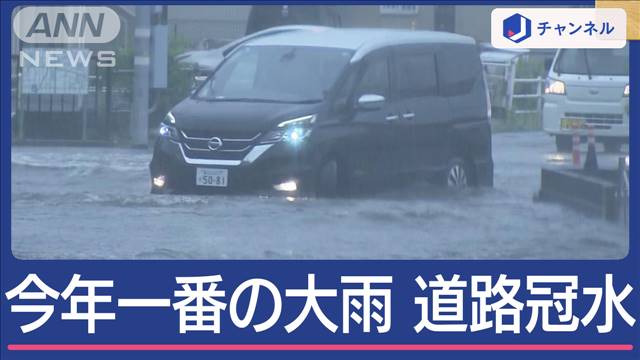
[[588, 88]]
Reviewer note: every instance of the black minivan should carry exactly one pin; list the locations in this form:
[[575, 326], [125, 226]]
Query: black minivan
[[330, 110]]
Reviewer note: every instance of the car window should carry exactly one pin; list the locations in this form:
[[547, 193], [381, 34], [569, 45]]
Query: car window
[[415, 74], [593, 61], [375, 79], [459, 68], [276, 74]]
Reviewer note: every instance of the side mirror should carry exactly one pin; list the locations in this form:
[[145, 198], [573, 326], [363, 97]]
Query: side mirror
[[370, 102]]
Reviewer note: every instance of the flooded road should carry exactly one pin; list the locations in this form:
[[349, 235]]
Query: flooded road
[[94, 203]]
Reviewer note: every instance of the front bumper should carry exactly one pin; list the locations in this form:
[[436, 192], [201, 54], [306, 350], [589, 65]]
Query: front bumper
[[261, 168], [607, 119]]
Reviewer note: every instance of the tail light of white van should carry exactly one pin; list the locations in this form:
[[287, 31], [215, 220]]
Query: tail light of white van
[[554, 87], [626, 91]]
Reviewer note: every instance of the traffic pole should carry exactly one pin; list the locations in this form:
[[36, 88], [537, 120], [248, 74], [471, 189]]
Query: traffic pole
[[139, 126]]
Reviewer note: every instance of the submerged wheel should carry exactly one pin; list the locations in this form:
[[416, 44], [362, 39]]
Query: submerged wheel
[[458, 175]]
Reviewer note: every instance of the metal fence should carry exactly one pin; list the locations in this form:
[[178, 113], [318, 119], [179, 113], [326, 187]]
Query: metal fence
[[93, 115], [526, 95], [101, 114], [499, 75], [509, 93]]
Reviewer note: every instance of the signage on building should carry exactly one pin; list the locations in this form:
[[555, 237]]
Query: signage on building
[[399, 9]]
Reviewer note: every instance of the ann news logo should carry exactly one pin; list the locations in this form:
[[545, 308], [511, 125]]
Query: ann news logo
[[516, 28], [41, 26]]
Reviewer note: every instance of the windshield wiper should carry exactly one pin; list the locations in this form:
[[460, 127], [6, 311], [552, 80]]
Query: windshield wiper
[[225, 99], [309, 101], [288, 56], [222, 99]]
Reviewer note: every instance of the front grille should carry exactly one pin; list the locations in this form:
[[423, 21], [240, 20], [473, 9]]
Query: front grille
[[596, 118], [197, 142]]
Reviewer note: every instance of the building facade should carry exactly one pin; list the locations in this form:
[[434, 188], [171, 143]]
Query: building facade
[[212, 25]]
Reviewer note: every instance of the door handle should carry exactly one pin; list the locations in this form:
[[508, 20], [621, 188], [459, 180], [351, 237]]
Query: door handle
[[408, 115], [391, 117]]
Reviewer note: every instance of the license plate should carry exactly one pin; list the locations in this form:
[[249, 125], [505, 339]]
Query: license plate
[[568, 123], [212, 177]]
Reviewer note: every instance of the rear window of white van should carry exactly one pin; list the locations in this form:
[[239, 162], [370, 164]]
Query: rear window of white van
[[614, 62]]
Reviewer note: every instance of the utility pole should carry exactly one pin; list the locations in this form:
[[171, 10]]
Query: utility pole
[[139, 125], [159, 47]]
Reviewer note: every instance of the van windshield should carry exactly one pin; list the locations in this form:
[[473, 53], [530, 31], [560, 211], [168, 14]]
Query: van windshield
[[289, 74], [614, 62]]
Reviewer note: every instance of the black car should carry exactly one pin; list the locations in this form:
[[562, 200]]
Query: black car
[[330, 110]]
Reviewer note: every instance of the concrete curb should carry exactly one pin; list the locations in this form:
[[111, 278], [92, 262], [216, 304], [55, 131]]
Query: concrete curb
[[593, 193]]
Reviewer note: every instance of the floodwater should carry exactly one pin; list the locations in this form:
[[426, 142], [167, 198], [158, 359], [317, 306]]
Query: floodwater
[[94, 203]]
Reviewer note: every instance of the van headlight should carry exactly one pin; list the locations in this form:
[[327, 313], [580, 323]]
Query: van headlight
[[554, 87], [169, 119], [168, 131], [292, 131], [167, 128], [626, 91]]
